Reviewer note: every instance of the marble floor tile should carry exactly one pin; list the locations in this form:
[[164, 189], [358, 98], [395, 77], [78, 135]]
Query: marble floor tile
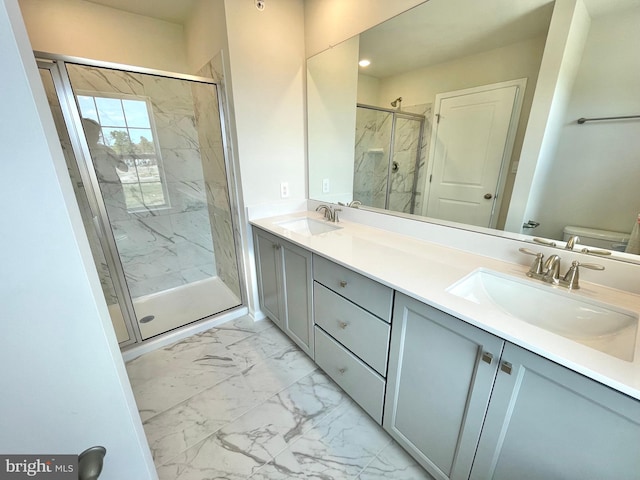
[[340, 447], [394, 463], [183, 425], [242, 401]]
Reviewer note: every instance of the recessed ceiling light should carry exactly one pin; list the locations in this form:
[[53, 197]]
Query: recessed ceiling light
[[364, 62]]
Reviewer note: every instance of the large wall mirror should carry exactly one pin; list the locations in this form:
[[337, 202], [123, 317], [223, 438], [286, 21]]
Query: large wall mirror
[[427, 114]]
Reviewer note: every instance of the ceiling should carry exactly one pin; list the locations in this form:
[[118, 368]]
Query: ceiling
[[441, 30], [174, 11]]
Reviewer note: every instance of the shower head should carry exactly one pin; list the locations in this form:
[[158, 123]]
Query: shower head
[[397, 102]]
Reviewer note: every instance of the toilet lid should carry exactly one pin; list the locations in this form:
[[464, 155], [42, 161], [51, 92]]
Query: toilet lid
[[587, 232]]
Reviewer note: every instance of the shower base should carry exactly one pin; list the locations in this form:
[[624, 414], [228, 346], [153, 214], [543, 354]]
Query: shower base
[[181, 305]]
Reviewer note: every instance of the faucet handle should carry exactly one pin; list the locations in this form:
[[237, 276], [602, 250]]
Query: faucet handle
[[336, 219], [590, 266], [572, 276], [595, 251], [536, 266], [544, 241]]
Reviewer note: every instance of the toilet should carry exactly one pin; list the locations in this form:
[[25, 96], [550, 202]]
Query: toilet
[[594, 237]]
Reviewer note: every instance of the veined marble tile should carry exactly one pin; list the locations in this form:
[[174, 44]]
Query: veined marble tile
[[179, 355], [140, 287], [199, 273], [285, 417], [191, 225], [149, 262], [394, 463], [176, 130], [187, 196], [185, 424], [175, 386], [138, 234], [247, 324], [182, 164], [340, 447]]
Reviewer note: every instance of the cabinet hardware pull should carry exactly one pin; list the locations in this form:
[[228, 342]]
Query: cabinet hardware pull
[[506, 367], [487, 357], [342, 370], [276, 246], [343, 283], [342, 324]]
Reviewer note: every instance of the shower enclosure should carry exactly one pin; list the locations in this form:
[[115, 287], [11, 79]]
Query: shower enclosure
[[388, 156], [146, 158]]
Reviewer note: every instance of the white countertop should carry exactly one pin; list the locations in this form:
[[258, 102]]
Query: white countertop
[[424, 271]]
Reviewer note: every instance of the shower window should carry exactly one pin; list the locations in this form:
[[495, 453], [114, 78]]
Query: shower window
[[125, 148]]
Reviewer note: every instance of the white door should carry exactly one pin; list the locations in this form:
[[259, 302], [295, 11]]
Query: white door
[[472, 140]]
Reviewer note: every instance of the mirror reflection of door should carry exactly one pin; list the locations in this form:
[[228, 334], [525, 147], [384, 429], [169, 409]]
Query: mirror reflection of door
[[471, 146]]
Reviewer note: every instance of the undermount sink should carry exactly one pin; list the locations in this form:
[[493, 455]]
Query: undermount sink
[[308, 226], [606, 328]]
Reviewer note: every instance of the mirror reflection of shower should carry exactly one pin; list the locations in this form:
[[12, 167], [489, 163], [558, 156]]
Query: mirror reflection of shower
[[397, 103], [389, 154]]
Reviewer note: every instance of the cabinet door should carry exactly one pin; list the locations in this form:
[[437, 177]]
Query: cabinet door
[[298, 288], [441, 371], [545, 421], [268, 265]]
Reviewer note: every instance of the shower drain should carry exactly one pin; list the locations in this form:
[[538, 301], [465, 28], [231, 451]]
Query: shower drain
[[147, 319]]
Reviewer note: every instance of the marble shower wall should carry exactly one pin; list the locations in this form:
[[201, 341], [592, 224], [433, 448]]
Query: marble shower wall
[[215, 175], [172, 246], [425, 110], [373, 138]]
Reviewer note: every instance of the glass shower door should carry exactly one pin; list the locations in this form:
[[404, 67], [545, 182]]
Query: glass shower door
[[157, 159], [123, 334], [405, 162]]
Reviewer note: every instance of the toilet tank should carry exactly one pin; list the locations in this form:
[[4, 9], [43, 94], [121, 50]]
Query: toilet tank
[[598, 238]]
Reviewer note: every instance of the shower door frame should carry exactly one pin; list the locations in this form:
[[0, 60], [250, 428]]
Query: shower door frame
[[57, 65], [408, 116]]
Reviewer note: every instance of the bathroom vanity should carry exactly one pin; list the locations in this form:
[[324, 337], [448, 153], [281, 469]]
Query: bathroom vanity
[[468, 387]]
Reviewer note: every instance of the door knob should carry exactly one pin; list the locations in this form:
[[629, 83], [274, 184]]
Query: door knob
[[488, 196]]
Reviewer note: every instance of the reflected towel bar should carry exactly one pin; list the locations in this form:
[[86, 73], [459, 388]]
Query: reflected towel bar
[[583, 120]]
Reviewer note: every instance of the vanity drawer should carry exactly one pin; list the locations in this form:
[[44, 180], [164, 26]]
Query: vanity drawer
[[362, 384], [367, 293], [361, 332]]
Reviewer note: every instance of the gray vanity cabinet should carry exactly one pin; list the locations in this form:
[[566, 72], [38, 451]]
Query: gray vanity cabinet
[[285, 287], [441, 371], [467, 404], [545, 421], [352, 314]]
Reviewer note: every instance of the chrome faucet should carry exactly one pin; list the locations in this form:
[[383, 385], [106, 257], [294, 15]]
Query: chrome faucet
[[352, 204], [330, 214], [549, 271], [571, 243]]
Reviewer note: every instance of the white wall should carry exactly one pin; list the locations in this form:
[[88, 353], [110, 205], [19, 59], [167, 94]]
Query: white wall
[[266, 58], [332, 84], [205, 32], [329, 22], [64, 386], [593, 178], [84, 29], [563, 50], [511, 62]]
